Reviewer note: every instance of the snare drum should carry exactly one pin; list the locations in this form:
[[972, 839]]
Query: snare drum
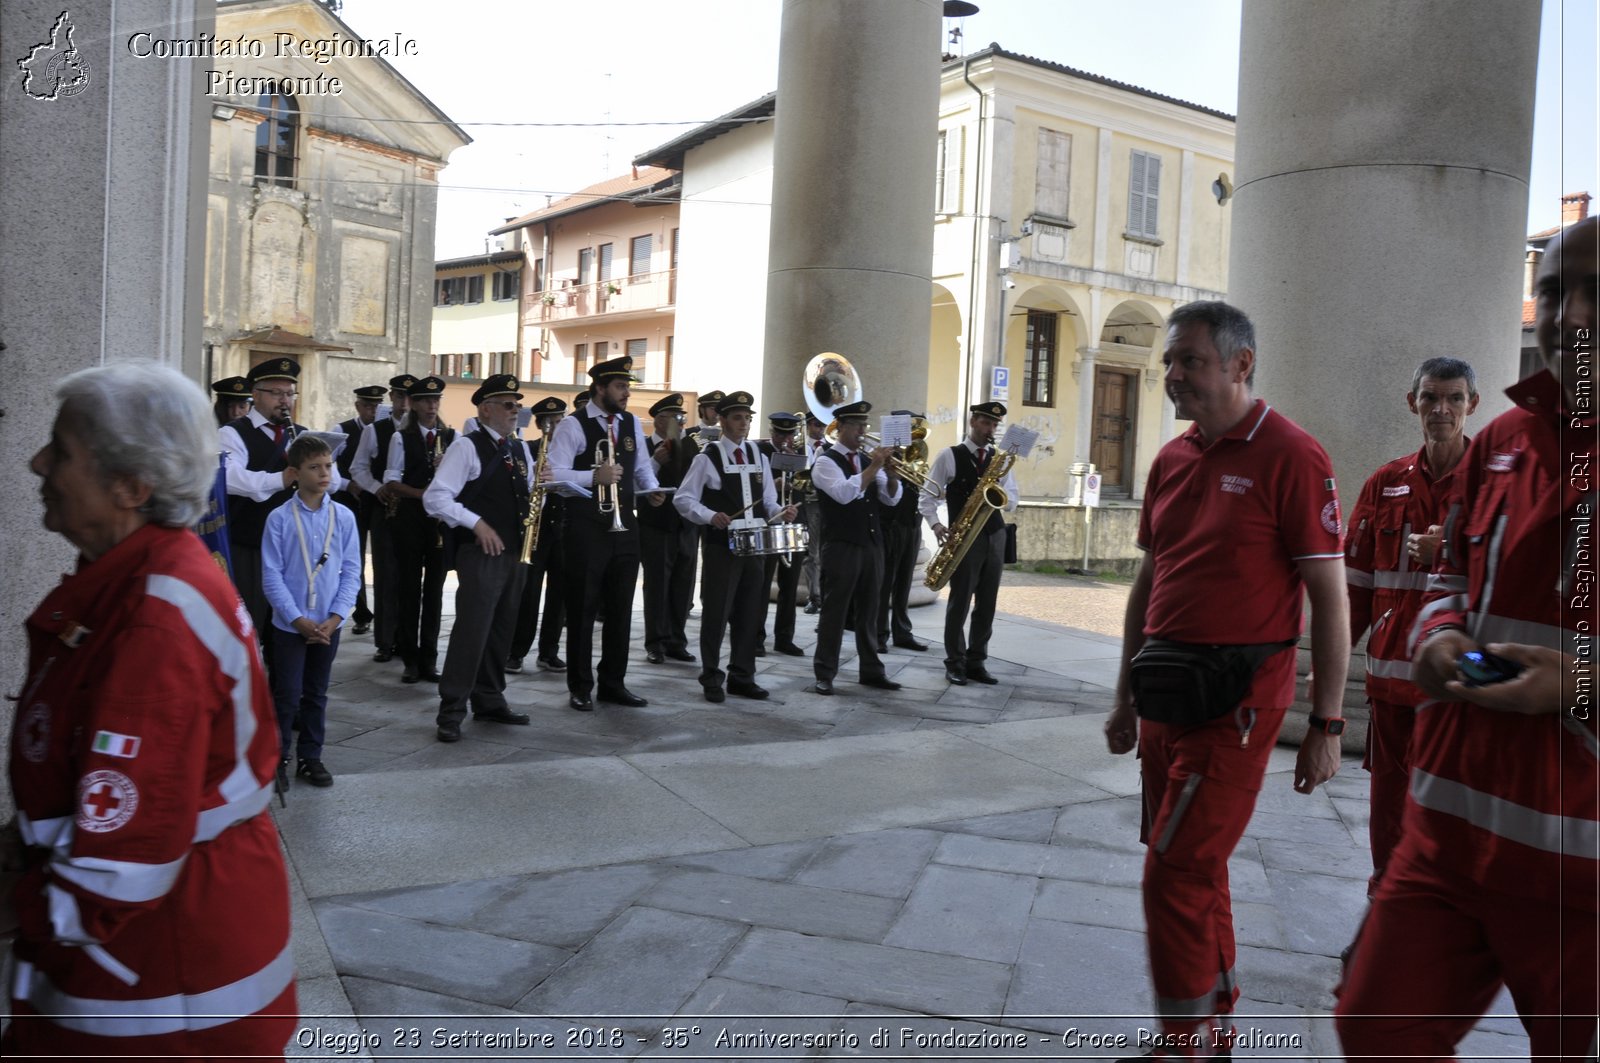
[[768, 539]]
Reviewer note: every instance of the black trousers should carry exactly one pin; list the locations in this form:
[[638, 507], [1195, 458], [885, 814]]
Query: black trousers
[[667, 555], [546, 577], [734, 596], [853, 575], [901, 543], [788, 591], [361, 507], [486, 608], [419, 565], [811, 513], [978, 574], [603, 566], [385, 581]]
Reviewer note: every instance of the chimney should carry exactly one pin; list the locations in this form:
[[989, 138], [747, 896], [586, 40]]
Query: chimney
[[1574, 207], [1530, 270]]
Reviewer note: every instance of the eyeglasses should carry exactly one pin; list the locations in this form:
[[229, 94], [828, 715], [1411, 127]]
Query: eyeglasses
[[511, 404], [277, 394]]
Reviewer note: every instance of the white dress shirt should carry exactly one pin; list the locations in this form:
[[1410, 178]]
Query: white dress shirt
[[254, 484], [459, 468], [366, 451], [943, 471], [569, 439], [702, 474], [828, 478], [395, 468]]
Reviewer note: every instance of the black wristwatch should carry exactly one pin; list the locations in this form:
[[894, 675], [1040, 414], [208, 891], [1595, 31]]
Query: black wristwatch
[[1335, 726]]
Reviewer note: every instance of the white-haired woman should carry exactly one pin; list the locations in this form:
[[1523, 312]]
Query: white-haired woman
[[152, 910]]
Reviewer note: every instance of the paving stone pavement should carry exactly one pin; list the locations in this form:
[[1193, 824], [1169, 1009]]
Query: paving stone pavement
[[870, 875]]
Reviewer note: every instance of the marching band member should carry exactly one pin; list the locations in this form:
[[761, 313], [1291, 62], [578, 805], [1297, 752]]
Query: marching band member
[[233, 398], [811, 510], [666, 542], [902, 541], [415, 452], [707, 408], [481, 488], [782, 441], [851, 488], [957, 470], [603, 546], [368, 466], [545, 575], [355, 496]]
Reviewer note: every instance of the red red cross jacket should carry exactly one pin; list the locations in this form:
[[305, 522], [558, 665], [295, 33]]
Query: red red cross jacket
[[1386, 589], [1508, 800], [154, 908]]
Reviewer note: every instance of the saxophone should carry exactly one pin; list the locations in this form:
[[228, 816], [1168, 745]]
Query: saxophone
[[530, 523], [964, 531]]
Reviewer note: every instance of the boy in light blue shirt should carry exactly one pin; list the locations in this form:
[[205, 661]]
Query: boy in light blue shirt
[[310, 571]]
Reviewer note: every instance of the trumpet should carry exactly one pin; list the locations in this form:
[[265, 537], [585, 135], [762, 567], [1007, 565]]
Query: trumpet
[[608, 495], [911, 465]]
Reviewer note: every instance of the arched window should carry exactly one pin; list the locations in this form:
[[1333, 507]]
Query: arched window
[[275, 139]]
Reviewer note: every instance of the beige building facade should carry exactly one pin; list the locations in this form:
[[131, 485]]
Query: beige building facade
[[320, 212]]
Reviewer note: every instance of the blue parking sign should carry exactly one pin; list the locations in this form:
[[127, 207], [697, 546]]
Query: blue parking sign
[[1000, 385]]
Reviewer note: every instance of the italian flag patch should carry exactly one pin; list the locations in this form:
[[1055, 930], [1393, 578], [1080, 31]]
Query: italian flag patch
[[114, 745]]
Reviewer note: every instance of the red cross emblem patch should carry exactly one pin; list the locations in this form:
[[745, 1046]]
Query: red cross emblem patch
[[106, 800]]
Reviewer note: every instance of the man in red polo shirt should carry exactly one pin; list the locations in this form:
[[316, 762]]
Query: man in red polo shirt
[[1394, 536], [1496, 877], [1240, 514]]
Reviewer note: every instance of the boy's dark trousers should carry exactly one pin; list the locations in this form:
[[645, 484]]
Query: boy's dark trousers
[[300, 690]]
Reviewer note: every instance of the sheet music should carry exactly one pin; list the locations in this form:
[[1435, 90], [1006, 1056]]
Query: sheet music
[[895, 430], [336, 441], [1019, 439], [524, 417], [568, 489]]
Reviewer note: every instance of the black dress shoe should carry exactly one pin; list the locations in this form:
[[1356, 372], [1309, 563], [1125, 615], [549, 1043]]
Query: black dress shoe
[[581, 702], [790, 649], [813, 608], [955, 677], [681, 655], [383, 655], [623, 696], [761, 651], [911, 644], [513, 664], [655, 657], [979, 674], [410, 674], [749, 690], [715, 695], [552, 664], [449, 732], [314, 772], [429, 675], [519, 719], [361, 627], [881, 682], [823, 686]]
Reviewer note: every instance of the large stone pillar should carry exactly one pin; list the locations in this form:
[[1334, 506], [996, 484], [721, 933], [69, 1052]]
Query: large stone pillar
[[850, 267], [1380, 202], [102, 201]]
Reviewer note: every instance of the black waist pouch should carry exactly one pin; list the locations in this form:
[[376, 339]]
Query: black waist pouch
[[1184, 683]]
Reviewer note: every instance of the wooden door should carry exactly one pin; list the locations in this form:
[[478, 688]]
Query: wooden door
[[1111, 446]]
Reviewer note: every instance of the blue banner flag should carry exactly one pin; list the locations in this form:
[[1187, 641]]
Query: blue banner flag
[[213, 527]]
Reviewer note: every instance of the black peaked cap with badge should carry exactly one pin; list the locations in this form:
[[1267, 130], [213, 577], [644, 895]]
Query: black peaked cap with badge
[[736, 400], [671, 404], [546, 407], [375, 392], [852, 409], [990, 409], [710, 398], [232, 387], [497, 385], [603, 373], [275, 369], [401, 382], [427, 386], [787, 422]]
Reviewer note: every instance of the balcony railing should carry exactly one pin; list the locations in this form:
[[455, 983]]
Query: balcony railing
[[641, 292]]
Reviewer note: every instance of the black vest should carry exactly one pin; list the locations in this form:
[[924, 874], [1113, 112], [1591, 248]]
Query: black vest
[[965, 481], [351, 428], [551, 516], [853, 523], [499, 494], [382, 431], [247, 518], [418, 470], [594, 430], [727, 497], [668, 474]]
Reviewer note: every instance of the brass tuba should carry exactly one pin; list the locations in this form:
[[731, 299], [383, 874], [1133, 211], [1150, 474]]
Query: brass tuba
[[988, 496]]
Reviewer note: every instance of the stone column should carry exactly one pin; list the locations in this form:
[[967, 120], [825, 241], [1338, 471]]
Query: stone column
[[102, 200], [852, 196], [1379, 209], [1083, 440]]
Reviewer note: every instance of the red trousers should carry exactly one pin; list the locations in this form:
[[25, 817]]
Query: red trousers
[[1435, 949], [1200, 786], [1388, 759]]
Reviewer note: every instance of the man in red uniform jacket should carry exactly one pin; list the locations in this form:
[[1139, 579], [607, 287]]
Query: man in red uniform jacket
[[1494, 880], [1393, 540], [1240, 516]]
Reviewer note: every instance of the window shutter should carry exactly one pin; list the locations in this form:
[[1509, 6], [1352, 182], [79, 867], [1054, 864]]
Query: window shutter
[[1152, 189], [955, 143], [605, 262], [1052, 172], [1136, 192], [639, 255]]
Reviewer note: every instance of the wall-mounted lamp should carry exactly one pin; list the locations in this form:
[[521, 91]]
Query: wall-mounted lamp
[[1222, 188], [223, 111]]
